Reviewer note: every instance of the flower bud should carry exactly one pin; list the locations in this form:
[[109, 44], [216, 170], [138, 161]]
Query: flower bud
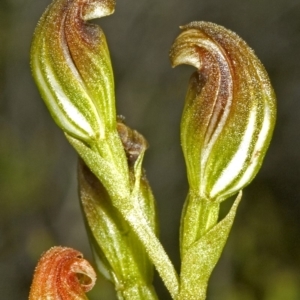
[[62, 273], [134, 143], [229, 112], [71, 66]]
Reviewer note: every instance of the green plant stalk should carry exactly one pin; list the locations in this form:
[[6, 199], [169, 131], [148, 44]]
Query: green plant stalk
[[198, 217], [119, 255], [124, 200], [130, 287], [137, 292], [200, 259]]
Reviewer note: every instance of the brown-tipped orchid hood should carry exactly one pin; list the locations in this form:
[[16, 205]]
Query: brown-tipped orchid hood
[[229, 112]]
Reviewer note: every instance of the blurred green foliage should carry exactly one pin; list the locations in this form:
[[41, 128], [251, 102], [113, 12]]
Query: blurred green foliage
[[39, 206]]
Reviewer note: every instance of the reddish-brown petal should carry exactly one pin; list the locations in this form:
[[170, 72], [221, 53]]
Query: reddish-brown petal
[[62, 273]]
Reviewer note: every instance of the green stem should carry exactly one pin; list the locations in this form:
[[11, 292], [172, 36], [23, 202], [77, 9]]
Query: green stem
[[136, 292], [202, 249], [123, 198], [154, 249], [198, 216]]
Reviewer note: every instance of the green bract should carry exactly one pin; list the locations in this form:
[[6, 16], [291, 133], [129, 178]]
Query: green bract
[[119, 255], [229, 112]]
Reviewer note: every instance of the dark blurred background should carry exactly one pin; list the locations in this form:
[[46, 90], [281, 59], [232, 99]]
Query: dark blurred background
[[39, 207]]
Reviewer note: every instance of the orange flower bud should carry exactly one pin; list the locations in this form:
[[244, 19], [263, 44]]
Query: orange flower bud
[[62, 273]]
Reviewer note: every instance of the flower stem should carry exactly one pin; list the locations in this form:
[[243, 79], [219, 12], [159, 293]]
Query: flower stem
[[154, 249], [124, 200], [198, 216]]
